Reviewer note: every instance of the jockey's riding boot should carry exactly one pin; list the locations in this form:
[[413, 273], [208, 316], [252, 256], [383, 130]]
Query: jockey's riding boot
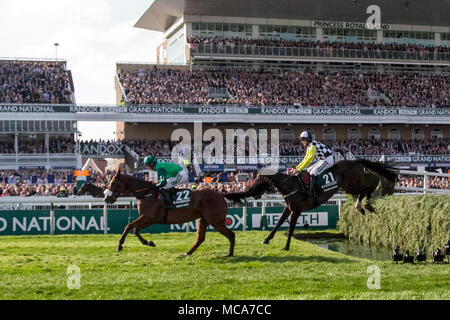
[[312, 181], [301, 184], [165, 196]]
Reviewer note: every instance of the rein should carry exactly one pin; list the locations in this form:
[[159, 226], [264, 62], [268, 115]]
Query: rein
[[143, 189]]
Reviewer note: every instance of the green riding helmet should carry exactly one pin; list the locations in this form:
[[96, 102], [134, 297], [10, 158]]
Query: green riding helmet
[[150, 160]]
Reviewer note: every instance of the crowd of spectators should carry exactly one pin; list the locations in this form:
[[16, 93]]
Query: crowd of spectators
[[22, 184], [55, 145], [302, 43], [51, 183], [163, 148], [284, 88], [417, 182], [34, 82]]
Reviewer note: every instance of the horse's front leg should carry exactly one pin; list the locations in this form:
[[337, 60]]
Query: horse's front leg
[[137, 231], [283, 217], [368, 205], [358, 204], [127, 229]]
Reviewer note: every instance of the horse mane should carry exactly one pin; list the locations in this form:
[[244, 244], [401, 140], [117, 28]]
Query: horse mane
[[138, 181], [384, 169]]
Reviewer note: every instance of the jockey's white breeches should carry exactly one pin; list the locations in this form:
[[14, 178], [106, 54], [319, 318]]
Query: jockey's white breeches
[[181, 177], [320, 166]]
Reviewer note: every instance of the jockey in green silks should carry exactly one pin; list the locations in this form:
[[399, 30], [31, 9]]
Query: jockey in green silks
[[169, 174]]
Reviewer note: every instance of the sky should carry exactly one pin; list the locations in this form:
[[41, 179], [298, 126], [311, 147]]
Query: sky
[[92, 37]]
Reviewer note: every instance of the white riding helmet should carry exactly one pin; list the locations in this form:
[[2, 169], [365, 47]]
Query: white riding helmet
[[306, 135]]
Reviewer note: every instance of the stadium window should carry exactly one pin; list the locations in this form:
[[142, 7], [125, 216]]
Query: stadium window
[[354, 133], [329, 134], [203, 26], [394, 134], [374, 134], [195, 26], [233, 27], [418, 134], [226, 27], [287, 134], [218, 27], [437, 134], [240, 28]]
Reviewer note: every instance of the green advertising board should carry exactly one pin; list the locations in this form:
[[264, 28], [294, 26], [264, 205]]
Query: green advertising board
[[91, 221]]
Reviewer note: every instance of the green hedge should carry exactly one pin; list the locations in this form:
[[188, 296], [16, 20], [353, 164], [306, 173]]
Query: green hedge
[[411, 222]]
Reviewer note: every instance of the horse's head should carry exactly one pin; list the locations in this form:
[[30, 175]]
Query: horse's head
[[115, 188], [82, 190]]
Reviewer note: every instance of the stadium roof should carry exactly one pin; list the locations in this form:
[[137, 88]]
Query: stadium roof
[[163, 13]]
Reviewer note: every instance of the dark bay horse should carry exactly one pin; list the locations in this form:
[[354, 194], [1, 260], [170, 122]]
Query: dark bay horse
[[91, 189], [356, 177], [97, 192], [207, 206]]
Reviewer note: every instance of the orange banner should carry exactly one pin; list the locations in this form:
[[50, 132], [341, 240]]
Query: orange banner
[[208, 179], [81, 173]]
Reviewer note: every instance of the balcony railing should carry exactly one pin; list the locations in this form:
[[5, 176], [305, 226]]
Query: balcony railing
[[16, 161], [305, 52]]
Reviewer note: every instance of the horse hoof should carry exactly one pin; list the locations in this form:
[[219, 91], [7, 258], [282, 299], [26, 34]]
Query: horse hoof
[[370, 208], [151, 244], [363, 212], [265, 242], [286, 249], [119, 248]]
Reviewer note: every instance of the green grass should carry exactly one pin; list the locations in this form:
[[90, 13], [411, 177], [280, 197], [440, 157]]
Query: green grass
[[34, 267]]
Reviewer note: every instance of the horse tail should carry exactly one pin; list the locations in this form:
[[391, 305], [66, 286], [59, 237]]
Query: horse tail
[[385, 170], [256, 190]]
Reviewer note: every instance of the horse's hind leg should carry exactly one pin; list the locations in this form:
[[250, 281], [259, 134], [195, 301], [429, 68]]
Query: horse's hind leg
[[201, 233], [284, 216], [137, 231], [227, 233]]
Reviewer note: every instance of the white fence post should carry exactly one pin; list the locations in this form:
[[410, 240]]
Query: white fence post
[[52, 219], [263, 215], [244, 218], [105, 218], [425, 182]]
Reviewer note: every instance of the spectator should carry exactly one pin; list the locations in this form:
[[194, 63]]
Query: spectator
[[34, 82]]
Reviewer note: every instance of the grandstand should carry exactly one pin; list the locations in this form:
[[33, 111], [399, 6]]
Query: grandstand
[[36, 86], [287, 66], [368, 93]]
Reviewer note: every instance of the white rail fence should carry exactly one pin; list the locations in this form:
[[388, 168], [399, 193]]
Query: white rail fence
[[89, 202], [426, 176]]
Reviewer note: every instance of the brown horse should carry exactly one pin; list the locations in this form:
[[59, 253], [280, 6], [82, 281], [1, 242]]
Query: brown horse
[[356, 177], [207, 206]]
